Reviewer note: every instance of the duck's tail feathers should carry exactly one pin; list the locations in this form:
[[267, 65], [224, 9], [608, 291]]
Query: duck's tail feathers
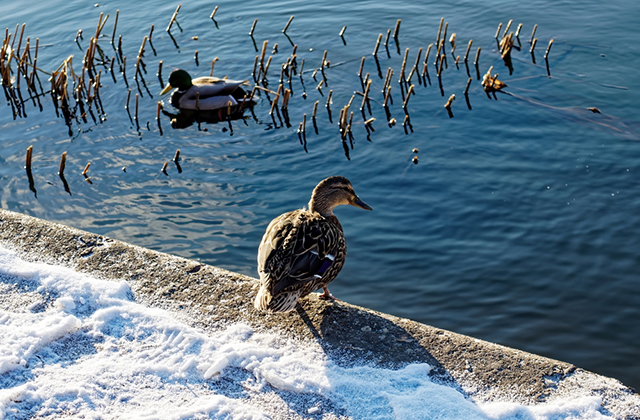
[[282, 302]]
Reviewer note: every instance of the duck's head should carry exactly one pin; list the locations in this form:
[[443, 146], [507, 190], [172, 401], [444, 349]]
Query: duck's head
[[334, 191], [179, 79]]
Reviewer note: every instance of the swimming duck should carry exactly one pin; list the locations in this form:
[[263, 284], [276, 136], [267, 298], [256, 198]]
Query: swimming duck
[[304, 250], [203, 93]]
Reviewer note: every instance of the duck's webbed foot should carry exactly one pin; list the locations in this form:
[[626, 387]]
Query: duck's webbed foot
[[327, 295]]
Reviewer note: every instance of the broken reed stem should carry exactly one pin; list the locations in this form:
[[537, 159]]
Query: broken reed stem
[[164, 168], [304, 123], [151, 32], [253, 27], [139, 59], [255, 64], [413, 70], [466, 89], [213, 63], [533, 33], [418, 58], [126, 106], [426, 57], [315, 109], [475, 62], [266, 67], [158, 109], [21, 34], [444, 33], [159, 74], [275, 100], [361, 66], [136, 114], [137, 67], [176, 157], [386, 96], [365, 96], [341, 34], [375, 50], [264, 90], [115, 25], [63, 162], [396, 31], [466, 54], [440, 46], [86, 169], [406, 100], [404, 64], [386, 39], [439, 31], [346, 112], [35, 64], [546, 54], [101, 27], [343, 120], [518, 30], [328, 104], [284, 31], [264, 51], [213, 14], [173, 18], [285, 99], [498, 31], [27, 163], [533, 45], [386, 80], [506, 30], [324, 60], [301, 67], [448, 104]]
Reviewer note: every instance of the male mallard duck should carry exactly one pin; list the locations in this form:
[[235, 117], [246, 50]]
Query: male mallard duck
[[304, 250], [202, 93]]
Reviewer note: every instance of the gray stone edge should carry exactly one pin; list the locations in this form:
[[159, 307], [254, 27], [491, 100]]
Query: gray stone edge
[[210, 298]]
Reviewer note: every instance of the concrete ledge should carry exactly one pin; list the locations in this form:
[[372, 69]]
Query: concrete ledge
[[209, 297]]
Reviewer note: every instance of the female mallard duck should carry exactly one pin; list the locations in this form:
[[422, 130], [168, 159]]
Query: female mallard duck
[[304, 250], [202, 93]]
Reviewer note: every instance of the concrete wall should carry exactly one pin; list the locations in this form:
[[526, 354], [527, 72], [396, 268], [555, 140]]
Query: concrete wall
[[209, 297]]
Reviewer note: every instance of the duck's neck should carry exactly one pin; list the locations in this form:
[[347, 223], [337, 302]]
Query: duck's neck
[[320, 204], [325, 211]]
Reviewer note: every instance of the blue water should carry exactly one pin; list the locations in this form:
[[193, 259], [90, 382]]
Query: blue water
[[519, 224]]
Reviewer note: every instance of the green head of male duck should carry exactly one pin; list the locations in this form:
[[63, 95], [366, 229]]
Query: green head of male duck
[[334, 191], [179, 79]]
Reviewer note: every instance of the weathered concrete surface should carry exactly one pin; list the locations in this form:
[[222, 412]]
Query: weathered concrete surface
[[211, 297]]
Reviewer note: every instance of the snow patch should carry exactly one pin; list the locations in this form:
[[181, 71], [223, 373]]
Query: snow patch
[[95, 353]]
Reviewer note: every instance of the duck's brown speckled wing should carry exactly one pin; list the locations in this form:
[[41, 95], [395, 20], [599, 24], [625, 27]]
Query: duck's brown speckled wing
[[300, 252]]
